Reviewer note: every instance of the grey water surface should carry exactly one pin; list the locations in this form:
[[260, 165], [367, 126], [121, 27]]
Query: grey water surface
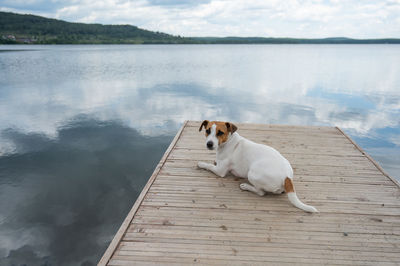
[[82, 127]]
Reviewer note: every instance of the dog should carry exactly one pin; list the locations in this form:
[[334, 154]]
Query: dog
[[264, 167]]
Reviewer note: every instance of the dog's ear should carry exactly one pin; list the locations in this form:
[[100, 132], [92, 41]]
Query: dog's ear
[[231, 127], [205, 123]]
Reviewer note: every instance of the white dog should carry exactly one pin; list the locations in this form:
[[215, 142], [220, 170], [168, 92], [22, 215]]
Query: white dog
[[265, 168]]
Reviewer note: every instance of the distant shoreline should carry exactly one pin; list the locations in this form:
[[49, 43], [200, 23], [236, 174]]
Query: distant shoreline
[[186, 44]]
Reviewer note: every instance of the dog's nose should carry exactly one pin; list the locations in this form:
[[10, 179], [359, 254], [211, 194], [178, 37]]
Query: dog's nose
[[209, 144]]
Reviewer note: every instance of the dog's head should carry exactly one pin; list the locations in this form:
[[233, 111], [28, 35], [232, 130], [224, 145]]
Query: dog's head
[[217, 132]]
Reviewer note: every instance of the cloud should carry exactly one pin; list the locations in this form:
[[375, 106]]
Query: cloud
[[177, 3], [37, 6], [25, 255], [307, 18]]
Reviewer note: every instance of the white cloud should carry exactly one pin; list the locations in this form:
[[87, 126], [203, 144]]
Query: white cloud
[[294, 18]]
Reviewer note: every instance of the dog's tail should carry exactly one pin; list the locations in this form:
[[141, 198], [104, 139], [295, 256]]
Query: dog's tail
[[289, 189]]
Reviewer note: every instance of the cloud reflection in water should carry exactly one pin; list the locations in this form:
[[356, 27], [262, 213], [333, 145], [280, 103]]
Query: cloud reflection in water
[[63, 198]]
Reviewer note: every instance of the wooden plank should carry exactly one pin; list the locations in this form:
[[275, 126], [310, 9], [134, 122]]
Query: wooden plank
[[118, 236], [266, 216], [325, 239], [274, 225], [299, 178], [264, 244], [309, 243], [254, 250], [263, 257], [322, 171], [233, 182]]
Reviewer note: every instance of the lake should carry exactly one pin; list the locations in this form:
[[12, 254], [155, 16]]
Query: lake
[[82, 127]]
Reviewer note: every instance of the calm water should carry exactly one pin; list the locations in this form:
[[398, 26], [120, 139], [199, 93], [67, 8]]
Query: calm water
[[82, 127]]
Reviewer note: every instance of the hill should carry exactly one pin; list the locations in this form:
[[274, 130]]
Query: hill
[[17, 28]]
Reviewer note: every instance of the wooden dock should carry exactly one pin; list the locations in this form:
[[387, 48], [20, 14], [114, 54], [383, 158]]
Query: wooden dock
[[187, 215]]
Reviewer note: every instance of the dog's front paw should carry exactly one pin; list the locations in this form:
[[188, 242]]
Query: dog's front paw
[[244, 186], [202, 165]]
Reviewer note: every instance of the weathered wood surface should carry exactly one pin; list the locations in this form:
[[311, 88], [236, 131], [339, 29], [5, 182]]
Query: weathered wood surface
[[187, 215]]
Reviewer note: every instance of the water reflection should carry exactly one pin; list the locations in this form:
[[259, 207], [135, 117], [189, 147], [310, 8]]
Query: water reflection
[[83, 126], [63, 198]]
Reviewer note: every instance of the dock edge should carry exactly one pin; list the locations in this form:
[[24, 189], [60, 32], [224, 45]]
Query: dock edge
[[369, 158]]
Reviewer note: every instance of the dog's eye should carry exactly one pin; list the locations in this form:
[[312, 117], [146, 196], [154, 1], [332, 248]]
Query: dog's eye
[[208, 131], [220, 133]]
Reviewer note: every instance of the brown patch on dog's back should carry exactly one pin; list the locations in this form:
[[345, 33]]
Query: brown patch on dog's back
[[289, 185]]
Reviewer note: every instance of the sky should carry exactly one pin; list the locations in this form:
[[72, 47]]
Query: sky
[[246, 18]]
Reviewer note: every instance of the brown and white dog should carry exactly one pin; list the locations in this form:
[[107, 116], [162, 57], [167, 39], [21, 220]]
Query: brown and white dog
[[264, 167]]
